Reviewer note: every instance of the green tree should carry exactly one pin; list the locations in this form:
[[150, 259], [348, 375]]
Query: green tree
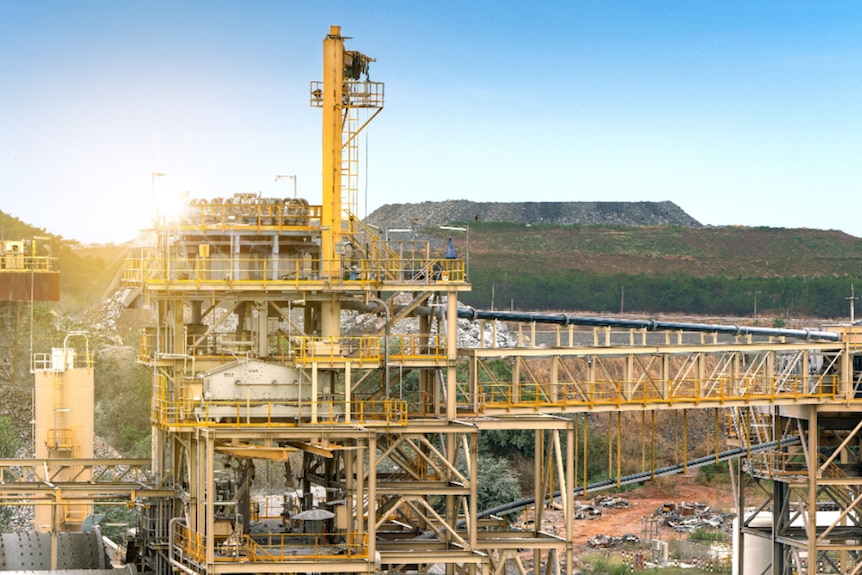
[[498, 482], [117, 520], [123, 390], [506, 442]]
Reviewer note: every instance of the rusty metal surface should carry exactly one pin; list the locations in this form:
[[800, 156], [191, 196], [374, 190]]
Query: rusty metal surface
[[29, 285]]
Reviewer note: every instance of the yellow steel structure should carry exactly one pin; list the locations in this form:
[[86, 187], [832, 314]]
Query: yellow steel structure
[[377, 429], [275, 387]]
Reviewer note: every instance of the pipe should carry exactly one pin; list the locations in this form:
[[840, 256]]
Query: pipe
[[639, 477], [382, 304], [649, 325], [171, 560]]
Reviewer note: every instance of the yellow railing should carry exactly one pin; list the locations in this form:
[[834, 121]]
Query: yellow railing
[[270, 414], [286, 546], [311, 349], [301, 350], [333, 349], [360, 234], [60, 438], [19, 263], [225, 345], [190, 546], [590, 394], [357, 94], [61, 362], [777, 463], [242, 215], [416, 346], [277, 272]]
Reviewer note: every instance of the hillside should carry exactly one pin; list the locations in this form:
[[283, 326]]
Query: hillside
[[657, 250], [660, 269], [591, 267], [84, 273]]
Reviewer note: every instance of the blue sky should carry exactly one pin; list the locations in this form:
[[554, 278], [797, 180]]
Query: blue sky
[[742, 113]]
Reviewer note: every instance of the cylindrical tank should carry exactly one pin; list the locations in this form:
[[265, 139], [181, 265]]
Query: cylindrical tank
[[64, 428], [757, 550]]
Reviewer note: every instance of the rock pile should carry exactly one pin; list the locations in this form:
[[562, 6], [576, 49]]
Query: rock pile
[[470, 333], [430, 214], [686, 517], [600, 541]]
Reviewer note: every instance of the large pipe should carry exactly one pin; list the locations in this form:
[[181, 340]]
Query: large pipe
[[647, 324], [642, 476]]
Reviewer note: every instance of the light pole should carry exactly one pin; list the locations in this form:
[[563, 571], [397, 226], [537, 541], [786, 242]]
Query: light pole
[[153, 176], [291, 177], [465, 229]]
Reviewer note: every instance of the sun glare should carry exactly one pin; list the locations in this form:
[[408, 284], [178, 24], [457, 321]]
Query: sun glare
[[169, 205]]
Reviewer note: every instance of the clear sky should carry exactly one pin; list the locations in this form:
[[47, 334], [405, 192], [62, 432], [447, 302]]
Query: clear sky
[[740, 112]]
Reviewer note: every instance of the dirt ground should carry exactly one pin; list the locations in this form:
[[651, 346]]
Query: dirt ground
[[643, 503]]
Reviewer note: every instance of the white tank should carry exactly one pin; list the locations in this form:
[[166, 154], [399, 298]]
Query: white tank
[[758, 550]]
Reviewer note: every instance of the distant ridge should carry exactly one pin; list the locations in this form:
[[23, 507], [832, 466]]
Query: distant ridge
[[426, 214]]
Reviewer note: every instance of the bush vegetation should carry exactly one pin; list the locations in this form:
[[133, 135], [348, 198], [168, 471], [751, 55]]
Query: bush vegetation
[[123, 390], [663, 269], [779, 297]]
